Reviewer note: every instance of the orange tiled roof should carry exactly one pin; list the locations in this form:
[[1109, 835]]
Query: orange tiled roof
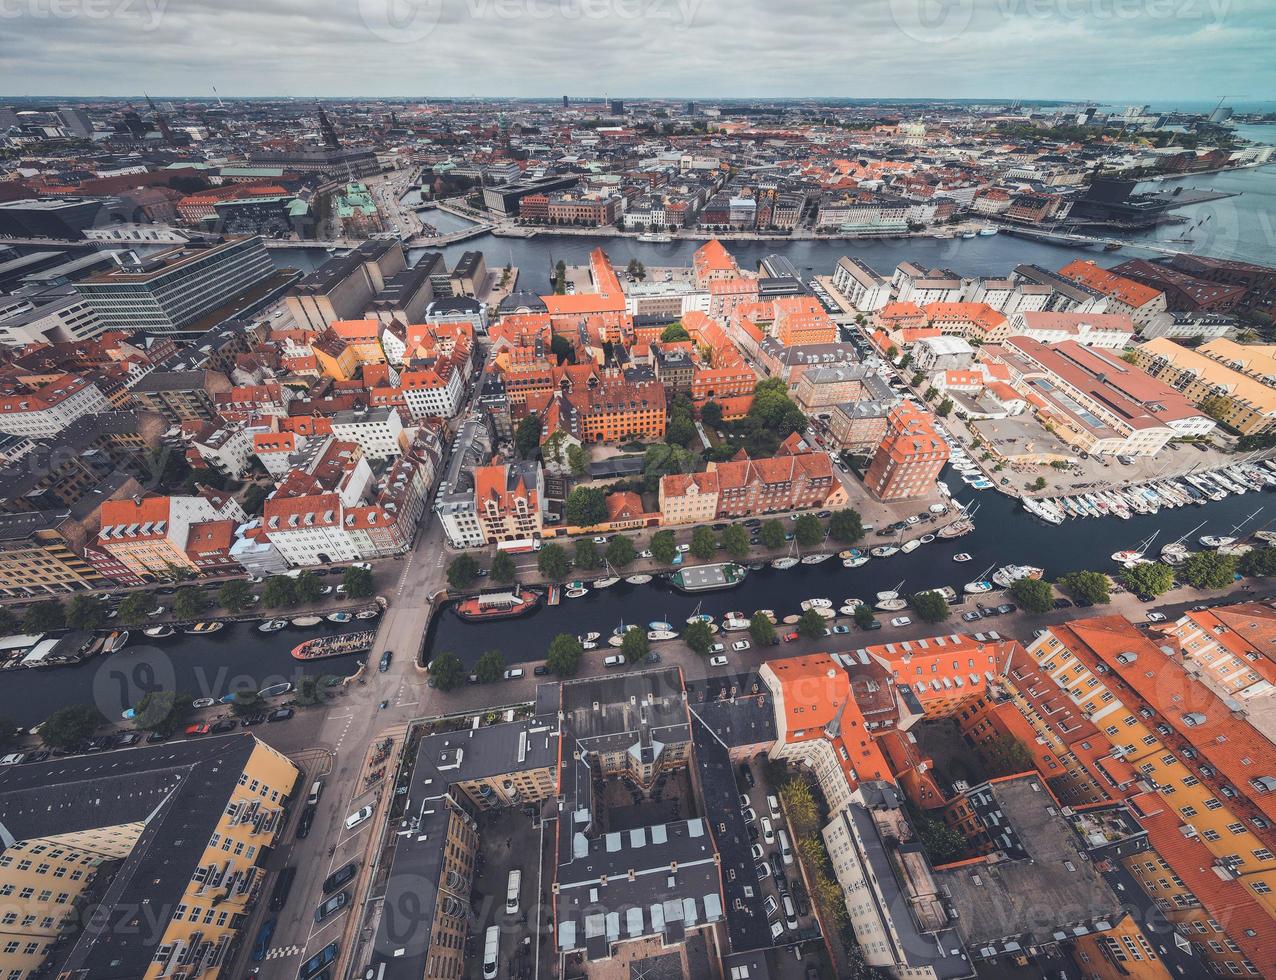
[[1127, 291]]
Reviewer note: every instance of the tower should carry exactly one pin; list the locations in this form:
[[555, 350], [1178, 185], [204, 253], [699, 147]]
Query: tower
[[329, 133]]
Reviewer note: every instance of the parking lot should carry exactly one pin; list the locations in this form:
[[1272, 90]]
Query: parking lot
[[509, 843]]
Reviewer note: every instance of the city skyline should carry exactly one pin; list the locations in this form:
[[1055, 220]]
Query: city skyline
[[981, 49]]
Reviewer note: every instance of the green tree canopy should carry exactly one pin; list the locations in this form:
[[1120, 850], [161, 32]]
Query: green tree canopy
[[762, 630], [1090, 586], [621, 551], [41, 617], [711, 414], [503, 569], [565, 653], [735, 539], [234, 596], [189, 602], [772, 533], [1209, 570], [774, 410], [576, 459], [447, 671], [161, 711], [1033, 595], [309, 587], [674, 333], [70, 725], [8, 621], [489, 667], [846, 526], [1153, 579], [703, 543], [663, 547], [134, 608], [279, 590], [863, 616], [931, 607], [586, 556], [811, 625], [809, 531], [247, 703], [462, 571], [586, 506], [527, 437], [1006, 755], [553, 563], [1259, 562], [358, 582], [698, 637], [83, 612], [635, 645]]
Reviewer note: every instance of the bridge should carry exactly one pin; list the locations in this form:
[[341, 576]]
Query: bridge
[[1072, 238]]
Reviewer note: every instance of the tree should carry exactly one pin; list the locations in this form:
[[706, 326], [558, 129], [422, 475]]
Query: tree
[[711, 414], [773, 410], [930, 393], [1034, 595], [800, 807], [309, 587], [247, 703], [772, 533], [1209, 570], [358, 582], [809, 531], [586, 506], [490, 667], [846, 526], [586, 557], [41, 617], [811, 625], [576, 459], [189, 602], [703, 543], [462, 571], [160, 711], [279, 590], [553, 563], [83, 612], [634, 645], [310, 691], [673, 333], [8, 621], [562, 348], [863, 616], [762, 630], [254, 499], [1152, 579], [564, 656], [69, 726], [621, 551], [527, 437], [698, 636], [663, 547], [680, 430], [735, 540], [1006, 755], [931, 607], [941, 842], [944, 408], [135, 607], [1090, 586], [233, 596], [446, 671], [1259, 562]]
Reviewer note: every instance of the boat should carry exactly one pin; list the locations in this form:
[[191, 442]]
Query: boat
[[910, 546], [577, 584], [658, 636], [977, 588], [505, 603], [638, 579], [1236, 549], [654, 238], [1121, 557], [371, 613], [790, 619], [848, 553], [606, 583], [768, 613], [956, 529], [892, 605], [589, 645], [885, 551], [306, 621], [622, 629], [116, 641], [981, 485], [1174, 553], [816, 559], [159, 632], [615, 641], [926, 538], [734, 614], [947, 591], [708, 578], [339, 617], [969, 234], [961, 556], [855, 562], [335, 646], [275, 690], [203, 703], [816, 604], [699, 618], [848, 609], [588, 637], [783, 563], [823, 613], [1007, 575], [987, 232], [1214, 540], [1267, 537], [733, 625], [271, 625], [661, 625], [576, 593]]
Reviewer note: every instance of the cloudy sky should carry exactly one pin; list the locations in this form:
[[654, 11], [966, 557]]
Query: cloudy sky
[[1107, 50]]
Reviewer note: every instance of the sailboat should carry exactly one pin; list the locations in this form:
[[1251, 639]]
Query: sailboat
[[608, 580], [890, 600], [1136, 553], [788, 561], [1175, 553], [981, 584], [1222, 541]]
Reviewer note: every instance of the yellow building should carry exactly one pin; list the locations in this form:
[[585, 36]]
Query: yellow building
[[1242, 401], [176, 835], [37, 555]]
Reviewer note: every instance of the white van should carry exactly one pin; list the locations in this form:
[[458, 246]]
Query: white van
[[613, 661], [786, 852], [491, 947], [790, 913], [514, 674], [511, 892]]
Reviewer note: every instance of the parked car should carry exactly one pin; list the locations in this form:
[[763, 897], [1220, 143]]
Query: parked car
[[841, 629], [747, 775], [225, 725], [279, 897], [600, 539], [1006, 608], [718, 661], [750, 816], [716, 647], [971, 616], [358, 817], [873, 624], [262, 944], [791, 636], [540, 670], [514, 673], [1156, 617], [901, 621], [1062, 603], [280, 714], [319, 961], [340, 877], [757, 852], [682, 549], [198, 729], [304, 822]]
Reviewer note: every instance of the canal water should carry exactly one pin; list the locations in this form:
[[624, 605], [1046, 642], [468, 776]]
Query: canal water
[[236, 658], [1004, 534]]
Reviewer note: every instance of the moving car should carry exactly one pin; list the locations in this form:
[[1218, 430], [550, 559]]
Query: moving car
[[386, 657]]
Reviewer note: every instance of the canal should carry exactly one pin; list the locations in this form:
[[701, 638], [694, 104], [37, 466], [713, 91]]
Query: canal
[[1004, 534]]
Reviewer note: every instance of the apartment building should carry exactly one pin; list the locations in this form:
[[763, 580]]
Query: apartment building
[[1137, 301], [863, 288], [41, 553], [1112, 331], [1239, 401], [378, 432], [688, 498], [615, 409], [509, 501], [182, 396], [43, 411], [909, 458], [793, 480]]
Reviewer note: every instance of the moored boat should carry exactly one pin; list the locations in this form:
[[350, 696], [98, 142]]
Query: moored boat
[[926, 538], [371, 613], [961, 556], [884, 551], [588, 637], [708, 578], [203, 703], [272, 625], [817, 604], [1214, 540], [505, 603], [606, 583], [275, 690], [910, 546], [201, 628], [816, 559], [855, 562], [1007, 575], [116, 641], [638, 579], [339, 617], [576, 593], [783, 563], [661, 625], [768, 613], [977, 588], [335, 646], [1121, 557], [304, 621], [159, 632], [659, 636], [891, 605]]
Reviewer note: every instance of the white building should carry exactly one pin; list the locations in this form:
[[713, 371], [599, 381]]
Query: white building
[[427, 394], [1111, 330], [863, 288], [942, 354], [48, 410], [377, 431]]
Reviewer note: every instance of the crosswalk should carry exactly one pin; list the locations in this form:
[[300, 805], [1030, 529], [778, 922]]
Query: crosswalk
[[282, 952]]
